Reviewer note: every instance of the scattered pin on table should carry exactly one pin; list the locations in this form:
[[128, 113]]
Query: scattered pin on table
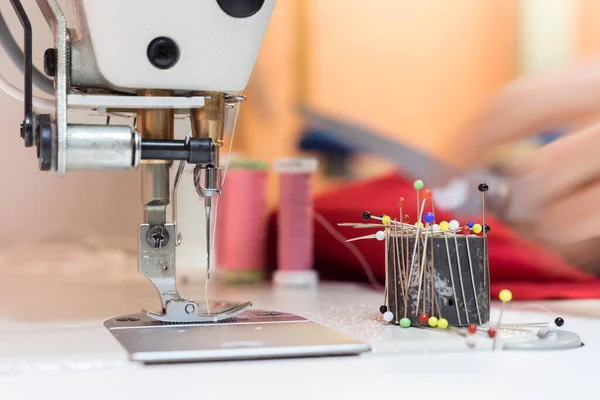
[[423, 318], [388, 316], [471, 340], [505, 296], [442, 323], [433, 322], [405, 322]]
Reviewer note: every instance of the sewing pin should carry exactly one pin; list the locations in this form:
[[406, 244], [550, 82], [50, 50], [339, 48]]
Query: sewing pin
[[422, 270], [483, 187], [505, 296], [452, 278], [462, 288], [472, 277]]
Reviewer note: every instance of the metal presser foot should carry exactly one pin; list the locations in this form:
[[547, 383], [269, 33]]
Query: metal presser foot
[[157, 263]]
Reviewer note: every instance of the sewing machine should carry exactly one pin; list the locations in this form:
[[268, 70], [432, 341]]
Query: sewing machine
[[153, 60]]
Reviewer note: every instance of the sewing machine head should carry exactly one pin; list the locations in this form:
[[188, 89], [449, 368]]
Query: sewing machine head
[[150, 60], [183, 45]]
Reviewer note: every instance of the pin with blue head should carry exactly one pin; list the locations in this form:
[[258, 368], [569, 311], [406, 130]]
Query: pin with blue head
[[429, 218]]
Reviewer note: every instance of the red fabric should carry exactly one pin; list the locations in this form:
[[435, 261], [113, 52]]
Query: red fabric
[[528, 270]]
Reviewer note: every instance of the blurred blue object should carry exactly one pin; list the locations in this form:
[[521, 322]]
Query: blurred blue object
[[322, 141], [551, 136], [335, 152], [452, 185], [413, 162]]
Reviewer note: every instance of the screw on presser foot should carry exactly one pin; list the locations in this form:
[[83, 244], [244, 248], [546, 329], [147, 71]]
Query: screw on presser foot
[[157, 237]]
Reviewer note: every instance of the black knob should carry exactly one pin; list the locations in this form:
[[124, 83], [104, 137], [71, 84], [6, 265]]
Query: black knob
[[559, 321], [44, 142], [50, 62], [241, 8], [383, 309], [483, 187], [163, 52], [366, 215]]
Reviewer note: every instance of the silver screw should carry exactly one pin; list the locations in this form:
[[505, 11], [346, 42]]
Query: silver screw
[[190, 308], [157, 237]]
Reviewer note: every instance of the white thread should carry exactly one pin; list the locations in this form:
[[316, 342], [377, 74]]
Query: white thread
[[214, 222], [353, 249]]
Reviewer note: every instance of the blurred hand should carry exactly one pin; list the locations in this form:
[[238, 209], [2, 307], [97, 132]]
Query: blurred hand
[[557, 197]]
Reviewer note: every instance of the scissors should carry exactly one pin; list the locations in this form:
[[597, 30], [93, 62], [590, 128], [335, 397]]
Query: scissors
[[452, 189]]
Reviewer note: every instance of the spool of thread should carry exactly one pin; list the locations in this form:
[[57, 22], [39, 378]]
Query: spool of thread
[[295, 223], [242, 223]]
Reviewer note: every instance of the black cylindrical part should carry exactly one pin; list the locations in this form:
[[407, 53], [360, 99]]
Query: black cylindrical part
[[194, 150], [165, 150]]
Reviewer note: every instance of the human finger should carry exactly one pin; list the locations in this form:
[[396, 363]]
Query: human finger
[[532, 105], [557, 170]]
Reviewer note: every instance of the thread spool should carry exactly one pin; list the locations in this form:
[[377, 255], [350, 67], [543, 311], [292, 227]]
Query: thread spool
[[295, 223], [241, 226]]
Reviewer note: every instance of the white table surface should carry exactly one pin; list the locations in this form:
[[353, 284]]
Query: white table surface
[[53, 345]]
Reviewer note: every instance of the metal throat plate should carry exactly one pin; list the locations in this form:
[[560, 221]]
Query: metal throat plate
[[253, 334]]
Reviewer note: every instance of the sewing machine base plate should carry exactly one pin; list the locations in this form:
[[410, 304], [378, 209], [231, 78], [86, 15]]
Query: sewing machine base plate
[[251, 335]]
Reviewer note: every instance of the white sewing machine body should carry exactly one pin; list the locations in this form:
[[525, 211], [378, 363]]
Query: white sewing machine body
[[217, 50]]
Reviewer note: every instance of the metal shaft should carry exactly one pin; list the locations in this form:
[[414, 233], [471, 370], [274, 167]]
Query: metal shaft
[[209, 121], [155, 193], [159, 125]]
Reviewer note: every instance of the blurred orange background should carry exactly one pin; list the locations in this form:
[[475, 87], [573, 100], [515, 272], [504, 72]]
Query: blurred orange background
[[414, 70]]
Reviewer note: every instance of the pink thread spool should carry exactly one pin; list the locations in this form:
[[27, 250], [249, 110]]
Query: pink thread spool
[[295, 223], [242, 223]]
